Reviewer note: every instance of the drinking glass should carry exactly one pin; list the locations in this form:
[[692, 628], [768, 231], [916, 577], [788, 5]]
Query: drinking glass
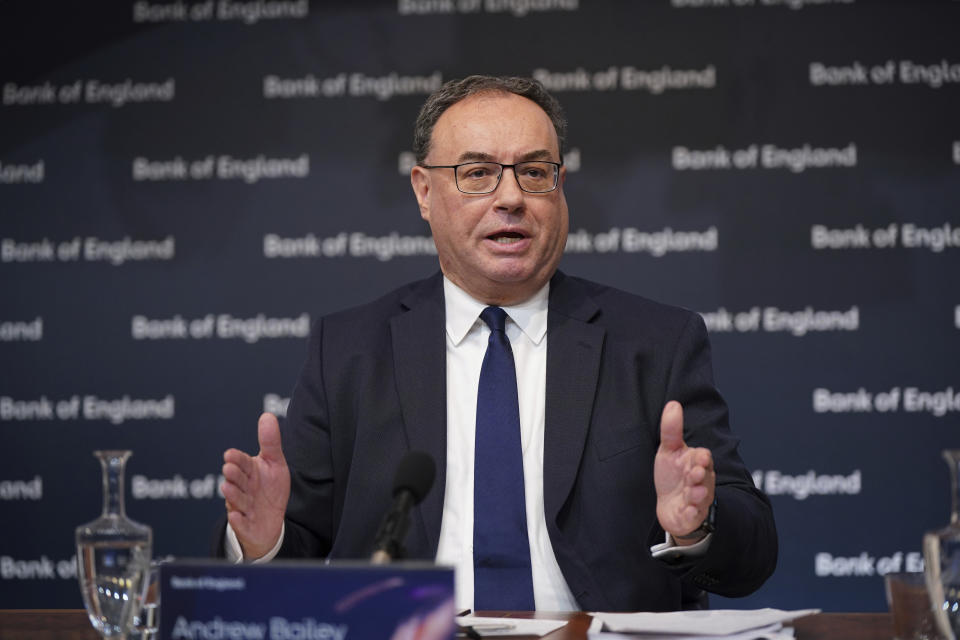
[[147, 622], [941, 555]]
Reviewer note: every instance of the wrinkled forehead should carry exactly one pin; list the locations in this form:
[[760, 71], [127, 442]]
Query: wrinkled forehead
[[499, 124]]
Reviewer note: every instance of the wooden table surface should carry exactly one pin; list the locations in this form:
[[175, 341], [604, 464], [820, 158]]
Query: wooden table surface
[[72, 624], [823, 626]]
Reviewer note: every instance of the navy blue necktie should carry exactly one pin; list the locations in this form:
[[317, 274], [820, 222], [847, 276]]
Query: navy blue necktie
[[501, 551]]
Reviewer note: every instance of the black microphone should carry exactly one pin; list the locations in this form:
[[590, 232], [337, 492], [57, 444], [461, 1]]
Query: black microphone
[[411, 484]]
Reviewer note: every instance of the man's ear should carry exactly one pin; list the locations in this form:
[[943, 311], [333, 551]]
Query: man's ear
[[420, 181]]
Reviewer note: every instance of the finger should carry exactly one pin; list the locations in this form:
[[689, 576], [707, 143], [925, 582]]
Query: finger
[[236, 498], [696, 476], [703, 458], [698, 465], [696, 496], [699, 494], [243, 461], [233, 474], [238, 522], [268, 434], [671, 427]]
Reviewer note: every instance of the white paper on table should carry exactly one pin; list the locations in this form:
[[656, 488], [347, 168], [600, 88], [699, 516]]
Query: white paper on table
[[771, 632], [710, 622], [596, 626], [491, 627]]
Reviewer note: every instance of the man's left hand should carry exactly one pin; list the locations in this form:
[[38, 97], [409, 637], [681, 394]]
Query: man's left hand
[[684, 479]]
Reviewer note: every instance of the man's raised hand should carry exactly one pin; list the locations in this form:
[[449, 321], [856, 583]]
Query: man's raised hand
[[683, 476], [256, 490]]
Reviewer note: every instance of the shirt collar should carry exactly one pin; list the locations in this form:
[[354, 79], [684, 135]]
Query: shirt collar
[[463, 312]]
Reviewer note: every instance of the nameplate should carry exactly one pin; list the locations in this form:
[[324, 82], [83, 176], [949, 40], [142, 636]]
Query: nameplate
[[285, 600]]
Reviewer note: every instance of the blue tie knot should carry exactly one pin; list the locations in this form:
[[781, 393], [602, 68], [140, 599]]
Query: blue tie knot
[[495, 317]]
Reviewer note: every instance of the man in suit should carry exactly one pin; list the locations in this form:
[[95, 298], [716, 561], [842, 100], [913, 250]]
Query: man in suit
[[631, 494]]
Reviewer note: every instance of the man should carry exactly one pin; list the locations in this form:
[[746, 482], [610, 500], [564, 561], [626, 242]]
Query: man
[[613, 389]]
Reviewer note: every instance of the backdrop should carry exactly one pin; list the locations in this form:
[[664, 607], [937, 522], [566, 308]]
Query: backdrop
[[185, 186]]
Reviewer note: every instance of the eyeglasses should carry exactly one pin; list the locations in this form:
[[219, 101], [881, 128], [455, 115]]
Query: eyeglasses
[[538, 176]]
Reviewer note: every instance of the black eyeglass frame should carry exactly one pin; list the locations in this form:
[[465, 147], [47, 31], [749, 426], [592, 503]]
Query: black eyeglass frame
[[556, 174]]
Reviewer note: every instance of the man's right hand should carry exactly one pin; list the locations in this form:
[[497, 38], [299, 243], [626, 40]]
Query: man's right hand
[[256, 490]]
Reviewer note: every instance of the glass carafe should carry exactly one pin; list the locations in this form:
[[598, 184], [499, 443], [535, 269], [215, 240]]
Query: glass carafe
[[941, 555], [113, 554]]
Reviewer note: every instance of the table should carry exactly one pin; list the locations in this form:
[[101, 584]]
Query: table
[[823, 626], [72, 624]]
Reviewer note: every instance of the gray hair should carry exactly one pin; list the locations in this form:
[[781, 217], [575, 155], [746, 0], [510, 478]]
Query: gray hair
[[454, 91]]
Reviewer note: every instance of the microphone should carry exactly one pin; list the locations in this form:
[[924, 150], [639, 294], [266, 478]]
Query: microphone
[[411, 484]]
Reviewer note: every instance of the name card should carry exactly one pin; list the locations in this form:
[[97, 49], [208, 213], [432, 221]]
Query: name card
[[305, 600]]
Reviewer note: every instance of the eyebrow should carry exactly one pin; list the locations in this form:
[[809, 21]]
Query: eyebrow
[[479, 156]]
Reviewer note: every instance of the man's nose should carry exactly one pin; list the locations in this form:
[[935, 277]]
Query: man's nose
[[508, 194]]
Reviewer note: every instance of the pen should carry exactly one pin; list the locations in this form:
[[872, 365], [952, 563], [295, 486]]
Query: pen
[[470, 632]]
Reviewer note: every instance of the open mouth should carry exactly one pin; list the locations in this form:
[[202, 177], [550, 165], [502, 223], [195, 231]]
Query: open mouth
[[506, 237]]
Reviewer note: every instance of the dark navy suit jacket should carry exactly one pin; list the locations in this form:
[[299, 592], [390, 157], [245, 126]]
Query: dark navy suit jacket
[[374, 387]]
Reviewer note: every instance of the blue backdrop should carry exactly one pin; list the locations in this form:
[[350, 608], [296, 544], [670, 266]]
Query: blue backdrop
[[184, 186]]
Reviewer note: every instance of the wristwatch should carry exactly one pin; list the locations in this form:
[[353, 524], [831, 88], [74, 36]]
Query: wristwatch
[[708, 526]]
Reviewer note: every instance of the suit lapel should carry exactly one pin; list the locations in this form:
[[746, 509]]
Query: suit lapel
[[419, 356], [574, 348]]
